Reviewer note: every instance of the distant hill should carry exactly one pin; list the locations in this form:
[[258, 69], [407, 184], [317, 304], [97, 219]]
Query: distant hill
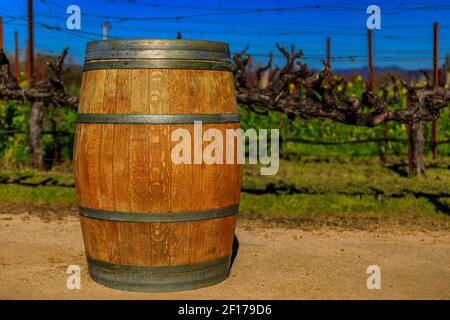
[[382, 73]]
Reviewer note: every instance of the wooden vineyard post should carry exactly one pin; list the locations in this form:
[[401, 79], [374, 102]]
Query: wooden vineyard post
[[27, 61], [16, 56], [329, 51], [30, 49], [370, 80], [105, 30], [1, 33], [434, 124]]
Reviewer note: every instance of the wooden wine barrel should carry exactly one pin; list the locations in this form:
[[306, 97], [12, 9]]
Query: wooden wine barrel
[[150, 224]]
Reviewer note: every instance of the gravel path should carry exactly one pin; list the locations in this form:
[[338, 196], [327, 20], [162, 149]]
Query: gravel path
[[272, 263]]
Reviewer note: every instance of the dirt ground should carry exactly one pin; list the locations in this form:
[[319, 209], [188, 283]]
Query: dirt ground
[[272, 263]]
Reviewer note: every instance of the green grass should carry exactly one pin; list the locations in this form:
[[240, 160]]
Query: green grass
[[28, 176], [350, 177], [22, 187], [331, 209], [356, 193], [347, 193], [41, 196]]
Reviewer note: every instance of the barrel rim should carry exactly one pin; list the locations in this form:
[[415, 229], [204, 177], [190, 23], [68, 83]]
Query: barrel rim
[[157, 53], [158, 44]]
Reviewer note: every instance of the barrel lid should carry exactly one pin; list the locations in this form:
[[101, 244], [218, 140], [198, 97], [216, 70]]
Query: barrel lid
[[157, 53]]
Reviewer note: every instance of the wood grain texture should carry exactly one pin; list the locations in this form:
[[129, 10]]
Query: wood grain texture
[[128, 167]]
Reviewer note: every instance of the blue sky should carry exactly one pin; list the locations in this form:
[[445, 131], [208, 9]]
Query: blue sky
[[405, 38]]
